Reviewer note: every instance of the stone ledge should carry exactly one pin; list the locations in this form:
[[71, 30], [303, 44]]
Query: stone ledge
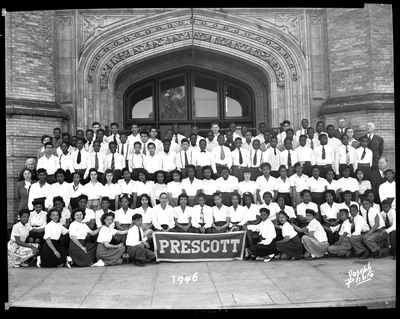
[[35, 108], [374, 101]]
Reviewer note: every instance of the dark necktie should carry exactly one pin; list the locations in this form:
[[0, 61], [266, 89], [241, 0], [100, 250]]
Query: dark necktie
[[323, 152], [96, 162], [176, 139], [115, 139], [240, 157], [186, 160], [144, 149], [202, 151], [363, 154], [78, 159], [112, 162], [140, 234], [312, 144], [368, 219], [60, 159], [347, 156], [289, 160], [122, 150], [255, 158], [387, 221], [274, 151], [222, 156], [201, 216], [353, 226], [89, 145]]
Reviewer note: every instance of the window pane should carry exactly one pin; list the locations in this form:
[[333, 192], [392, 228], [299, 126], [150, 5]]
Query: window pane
[[141, 102], [173, 98], [206, 97], [237, 101]]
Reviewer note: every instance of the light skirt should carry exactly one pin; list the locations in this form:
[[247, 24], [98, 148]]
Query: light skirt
[[18, 254]]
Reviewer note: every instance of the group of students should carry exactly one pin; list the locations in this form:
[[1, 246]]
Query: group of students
[[289, 201]]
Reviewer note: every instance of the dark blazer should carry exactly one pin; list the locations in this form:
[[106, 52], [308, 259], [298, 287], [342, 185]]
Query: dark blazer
[[376, 180], [376, 146], [337, 133]]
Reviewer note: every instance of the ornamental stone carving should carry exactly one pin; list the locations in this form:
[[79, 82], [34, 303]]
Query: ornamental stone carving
[[232, 42], [93, 23], [64, 21]]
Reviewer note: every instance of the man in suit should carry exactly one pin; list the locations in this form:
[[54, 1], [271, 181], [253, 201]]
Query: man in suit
[[341, 121], [375, 144], [377, 178]]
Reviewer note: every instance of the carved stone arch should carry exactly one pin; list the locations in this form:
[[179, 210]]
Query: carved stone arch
[[260, 45]]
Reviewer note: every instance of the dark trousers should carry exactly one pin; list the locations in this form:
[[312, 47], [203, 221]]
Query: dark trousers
[[237, 171], [117, 174], [255, 172], [219, 167], [307, 168], [341, 166], [323, 169], [275, 174], [332, 237]]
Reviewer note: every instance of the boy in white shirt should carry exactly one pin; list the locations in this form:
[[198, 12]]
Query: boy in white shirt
[[152, 162], [134, 136], [49, 162], [136, 161], [114, 133], [389, 216], [137, 244], [202, 158], [124, 148], [184, 157]]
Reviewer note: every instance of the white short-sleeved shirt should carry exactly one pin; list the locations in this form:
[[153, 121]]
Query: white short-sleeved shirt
[[182, 217], [80, 230], [289, 211], [319, 231], [20, 230], [209, 187], [175, 188], [54, 230], [334, 185], [282, 186], [141, 188], [251, 213], [344, 227], [191, 188], [265, 185], [299, 182], [228, 185], [89, 215], [126, 188], [65, 214], [93, 191], [247, 187], [147, 217], [220, 214], [273, 208], [302, 207], [330, 212], [37, 220], [288, 230], [316, 186], [349, 183], [106, 234], [236, 215], [111, 190], [157, 189], [364, 186], [75, 191], [122, 217]]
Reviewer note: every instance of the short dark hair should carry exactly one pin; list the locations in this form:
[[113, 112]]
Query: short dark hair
[[114, 124], [105, 215], [311, 212], [265, 210], [48, 218], [136, 217], [57, 129], [95, 123], [77, 210]]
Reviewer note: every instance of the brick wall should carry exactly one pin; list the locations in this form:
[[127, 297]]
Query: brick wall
[[30, 63], [360, 50], [23, 141]]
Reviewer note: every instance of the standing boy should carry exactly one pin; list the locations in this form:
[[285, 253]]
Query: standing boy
[[184, 158], [221, 156], [345, 154], [240, 160], [202, 158], [124, 148], [273, 156], [134, 136], [98, 160], [89, 140], [255, 159], [324, 155], [305, 155], [153, 138], [114, 134], [80, 160], [152, 162], [49, 162], [136, 160], [115, 161], [288, 157], [363, 160]]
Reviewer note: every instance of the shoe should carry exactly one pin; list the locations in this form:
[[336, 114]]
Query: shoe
[[69, 262], [138, 263], [259, 258], [24, 264], [16, 266], [267, 259], [246, 257], [99, 263], [365, 255], [378, 254], [252, 257], [38, 262]]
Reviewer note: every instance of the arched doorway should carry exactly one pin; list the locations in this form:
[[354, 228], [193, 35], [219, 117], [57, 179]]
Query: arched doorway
[[189, 96]]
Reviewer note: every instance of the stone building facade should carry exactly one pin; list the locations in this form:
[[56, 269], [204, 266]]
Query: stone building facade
[[68, 68]]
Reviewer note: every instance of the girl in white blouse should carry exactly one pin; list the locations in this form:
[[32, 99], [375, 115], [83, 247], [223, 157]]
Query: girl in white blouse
[[54, 252], [363, 184], [283, 187], [108, 254], [82, 251], [317, 186], [342, 246], [210, 186], [251, 217], [93, 190], [191, 186], [37, 220], [330, 215], [75, 189], [147, 216], [236, 212], [290, 246], [142, 186], [61, 187], [158, 188], [111, 189], [182, 216], [65, 214], [333, 184], [174, 187], [348, 183], [221, 218], [18, 251], [247, 185], [127, 184], [105, 204]]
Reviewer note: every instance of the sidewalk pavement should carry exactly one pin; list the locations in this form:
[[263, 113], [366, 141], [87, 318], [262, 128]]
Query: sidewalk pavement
[[219, 285]]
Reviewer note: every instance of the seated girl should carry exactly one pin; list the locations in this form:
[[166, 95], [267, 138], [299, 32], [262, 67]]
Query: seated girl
[[183, 214], [18, 250], [37, 220], [236, 212], [342, 247], [290, 245], [221, 218]]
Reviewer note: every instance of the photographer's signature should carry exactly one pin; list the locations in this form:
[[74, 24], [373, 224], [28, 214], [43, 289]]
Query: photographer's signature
[[360, 276]]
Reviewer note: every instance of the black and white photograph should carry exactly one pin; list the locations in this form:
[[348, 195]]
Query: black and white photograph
[[201, 159]]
